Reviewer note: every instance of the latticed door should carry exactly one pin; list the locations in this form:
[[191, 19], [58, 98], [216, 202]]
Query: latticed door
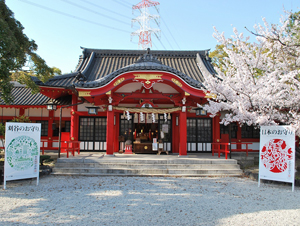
[[126, 130], [165, 126], [92, 133], [199, 134]]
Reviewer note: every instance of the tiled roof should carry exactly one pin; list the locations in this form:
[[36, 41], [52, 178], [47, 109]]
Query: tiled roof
[[96, 66], [64, 100], [23, 96]]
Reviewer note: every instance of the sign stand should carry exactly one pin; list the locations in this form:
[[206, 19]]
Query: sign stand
[[277, 154], [22, 151]]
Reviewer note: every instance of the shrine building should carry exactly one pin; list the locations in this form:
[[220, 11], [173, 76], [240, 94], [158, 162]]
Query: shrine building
[[135, 97]]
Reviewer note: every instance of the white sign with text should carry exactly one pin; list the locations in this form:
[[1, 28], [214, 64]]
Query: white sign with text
[[22, 151], [277, 154]]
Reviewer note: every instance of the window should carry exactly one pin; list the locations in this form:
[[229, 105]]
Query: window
[[92, 129], [44, 125], [67, 126], [199, 134], [225, 129], [126, 128], [250, 132], [165, 125], [191, 130], [204, 130]]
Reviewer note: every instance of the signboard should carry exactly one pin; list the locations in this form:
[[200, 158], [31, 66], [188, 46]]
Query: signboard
[[277, 154], [165, 128], [22, 151]]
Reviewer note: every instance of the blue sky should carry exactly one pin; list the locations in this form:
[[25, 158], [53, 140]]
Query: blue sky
[[60, 28]]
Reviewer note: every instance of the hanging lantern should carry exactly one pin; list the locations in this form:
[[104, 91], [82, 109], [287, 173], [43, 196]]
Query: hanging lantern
[[51, 106], [201, 111], [92, 110]]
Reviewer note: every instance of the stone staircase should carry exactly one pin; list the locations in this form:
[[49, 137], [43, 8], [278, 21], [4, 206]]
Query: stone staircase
[[109, 166]]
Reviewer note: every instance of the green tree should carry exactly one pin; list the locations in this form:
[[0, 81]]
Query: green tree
[[217, 56], [15, 50], [24, 77], [293, 18]]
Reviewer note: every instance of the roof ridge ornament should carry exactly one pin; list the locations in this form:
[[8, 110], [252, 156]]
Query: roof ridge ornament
[[80, 77], [148, 57]]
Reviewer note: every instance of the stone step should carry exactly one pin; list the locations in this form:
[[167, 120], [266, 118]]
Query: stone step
[[145, 166], [153, 172], [147, 161]]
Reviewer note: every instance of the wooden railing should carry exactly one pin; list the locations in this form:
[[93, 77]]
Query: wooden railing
[[71, 146], [220, 148], [49, 145], [66, 147], [239, 147]]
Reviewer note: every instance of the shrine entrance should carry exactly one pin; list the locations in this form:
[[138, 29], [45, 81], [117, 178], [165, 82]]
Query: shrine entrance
[[143, 133]]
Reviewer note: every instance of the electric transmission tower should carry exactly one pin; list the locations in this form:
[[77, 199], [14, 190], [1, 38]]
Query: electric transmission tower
[[144, 32]]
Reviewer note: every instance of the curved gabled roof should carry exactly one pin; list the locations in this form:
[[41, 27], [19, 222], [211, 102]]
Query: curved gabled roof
[[146, 62], [96, 67]]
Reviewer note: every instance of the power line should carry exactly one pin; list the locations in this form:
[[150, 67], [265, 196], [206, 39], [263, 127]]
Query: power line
[[121, 3], [167, 40], [154, 45], [93, 4], [89, 10], [72, 16], [127, 3], [170, 32], [162, 44], [82, 7]]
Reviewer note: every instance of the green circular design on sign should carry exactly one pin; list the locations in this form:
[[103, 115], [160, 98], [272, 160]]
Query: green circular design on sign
[[20, 152]]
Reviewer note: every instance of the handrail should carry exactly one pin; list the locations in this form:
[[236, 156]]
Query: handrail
[[72, 146], [49, 147], [241, 149], [220, 150]]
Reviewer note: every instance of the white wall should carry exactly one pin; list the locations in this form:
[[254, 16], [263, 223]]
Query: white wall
[[37, 112], [10, 112], [66, 112]]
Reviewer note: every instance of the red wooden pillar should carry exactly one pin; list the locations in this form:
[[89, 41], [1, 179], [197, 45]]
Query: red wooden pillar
[[175, 133], [74, 119], [116, 132], [239, 134], [216, 128], [183, 134], [110, 133], [50, 129], [22, 111]]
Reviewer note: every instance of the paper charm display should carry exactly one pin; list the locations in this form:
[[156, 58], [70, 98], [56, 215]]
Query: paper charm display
[[275, 155]]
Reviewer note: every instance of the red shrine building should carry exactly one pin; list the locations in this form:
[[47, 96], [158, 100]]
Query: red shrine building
[[137, 97]]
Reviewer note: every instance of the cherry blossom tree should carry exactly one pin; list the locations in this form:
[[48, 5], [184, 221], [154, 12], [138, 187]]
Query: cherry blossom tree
[[259, 83]]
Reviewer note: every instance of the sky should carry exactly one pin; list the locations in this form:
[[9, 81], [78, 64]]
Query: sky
[[61, 27]]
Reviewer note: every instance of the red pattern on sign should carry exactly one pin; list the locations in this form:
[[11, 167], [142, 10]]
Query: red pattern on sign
[[275, 154]]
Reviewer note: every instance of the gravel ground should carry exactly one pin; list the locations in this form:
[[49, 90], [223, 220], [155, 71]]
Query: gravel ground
[[60, 200]]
